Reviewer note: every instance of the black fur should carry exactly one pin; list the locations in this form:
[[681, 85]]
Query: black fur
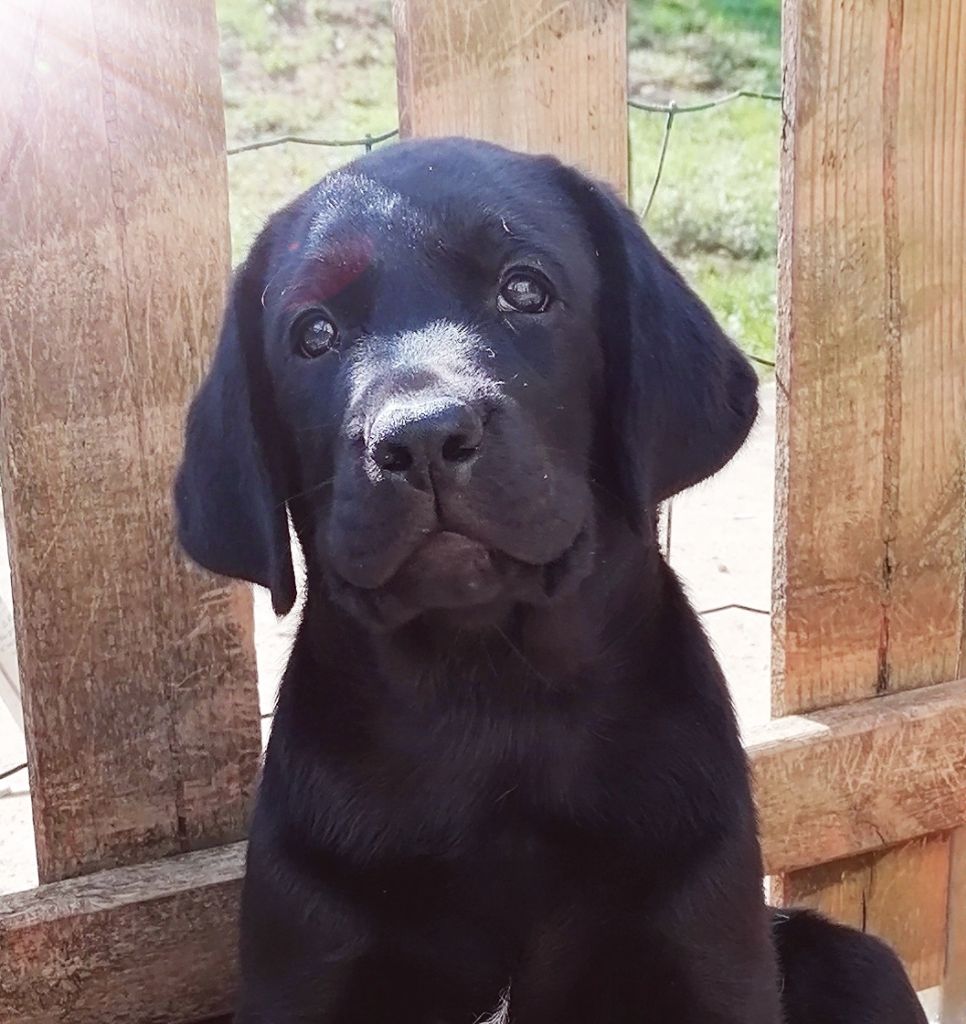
[[504, 757], [839, 976]]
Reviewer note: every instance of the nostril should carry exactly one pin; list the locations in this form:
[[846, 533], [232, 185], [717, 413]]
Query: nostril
[[459, 448], [414, 438], [393, 458]]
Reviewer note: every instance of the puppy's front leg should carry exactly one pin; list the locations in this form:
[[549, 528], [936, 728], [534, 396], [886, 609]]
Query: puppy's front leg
[[303, 949], [322, 968], [315, 953], [614, 964]]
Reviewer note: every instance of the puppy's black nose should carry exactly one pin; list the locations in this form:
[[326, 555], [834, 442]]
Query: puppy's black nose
[[442, 435]]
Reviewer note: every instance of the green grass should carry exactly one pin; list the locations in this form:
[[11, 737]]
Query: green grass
[[324, 68], [327, 68], [707, 44], [716, 210]]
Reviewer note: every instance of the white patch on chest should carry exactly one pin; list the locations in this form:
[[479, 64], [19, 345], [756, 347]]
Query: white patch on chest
[[502, 1013]]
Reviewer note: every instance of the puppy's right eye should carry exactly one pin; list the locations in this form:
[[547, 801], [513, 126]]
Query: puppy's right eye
[[315, 334], [523, 291]]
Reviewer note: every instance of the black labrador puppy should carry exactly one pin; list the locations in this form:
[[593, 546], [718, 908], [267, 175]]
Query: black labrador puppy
[[504, 768]]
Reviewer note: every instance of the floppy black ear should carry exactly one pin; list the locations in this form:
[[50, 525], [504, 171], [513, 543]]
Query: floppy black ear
[[681, 395], [230, 491]]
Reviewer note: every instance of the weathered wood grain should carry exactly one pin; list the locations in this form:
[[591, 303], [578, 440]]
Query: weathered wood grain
[[137, 673], [954, 975], [872, 893], [542, 76], [860, 777], [870, 576], [148, 944]]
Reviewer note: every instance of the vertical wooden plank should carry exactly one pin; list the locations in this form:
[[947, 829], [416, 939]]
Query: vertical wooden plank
[[542, 76], [829, 553], [926, 584], [137, 673], [954, 979], [870, 576]]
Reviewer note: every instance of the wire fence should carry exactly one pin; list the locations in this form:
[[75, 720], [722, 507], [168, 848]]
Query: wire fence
[[671, 111]]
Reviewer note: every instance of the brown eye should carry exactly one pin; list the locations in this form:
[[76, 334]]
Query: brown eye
[[523, 293], [315, 335]]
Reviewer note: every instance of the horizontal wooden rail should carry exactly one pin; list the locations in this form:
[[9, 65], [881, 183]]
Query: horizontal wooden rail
[[132, 945], [156, 942], [860, 777]]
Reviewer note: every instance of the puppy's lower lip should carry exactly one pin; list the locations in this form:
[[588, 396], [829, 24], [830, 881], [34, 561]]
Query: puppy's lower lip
[[449, 570]]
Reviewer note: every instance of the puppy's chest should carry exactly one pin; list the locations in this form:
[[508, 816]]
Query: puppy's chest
[[489, 770], [498, 819], [502, 872]]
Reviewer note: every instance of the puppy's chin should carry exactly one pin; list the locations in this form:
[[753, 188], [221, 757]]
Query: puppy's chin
[[459, 583]]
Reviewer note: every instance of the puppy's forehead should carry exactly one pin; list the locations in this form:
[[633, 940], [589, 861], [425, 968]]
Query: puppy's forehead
[[348, 200], [350, 225], [410, 204], [401, 218]]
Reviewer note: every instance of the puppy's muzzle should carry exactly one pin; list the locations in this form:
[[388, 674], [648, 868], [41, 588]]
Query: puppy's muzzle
[[426, 441]]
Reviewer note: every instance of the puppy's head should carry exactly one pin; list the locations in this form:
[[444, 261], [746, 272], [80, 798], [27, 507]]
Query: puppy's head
[[448, 362]]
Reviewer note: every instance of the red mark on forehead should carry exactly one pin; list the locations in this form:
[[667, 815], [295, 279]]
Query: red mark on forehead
[[322, 276]]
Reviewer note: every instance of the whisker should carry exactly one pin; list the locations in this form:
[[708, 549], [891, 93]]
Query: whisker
[[313, 427], [306, 492], [624, 635], [526, 661]]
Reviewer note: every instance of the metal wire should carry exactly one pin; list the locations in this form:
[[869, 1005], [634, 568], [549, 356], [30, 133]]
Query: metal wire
[[366, 142], [8, 772], [671, 109], [668, 125], [695, 108], [736, 607], [12, 771]]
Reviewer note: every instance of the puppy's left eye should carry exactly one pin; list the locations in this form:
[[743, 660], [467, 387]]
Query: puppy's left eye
[[523, 292]]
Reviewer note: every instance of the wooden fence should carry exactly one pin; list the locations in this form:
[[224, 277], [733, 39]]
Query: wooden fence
[[138, 682]]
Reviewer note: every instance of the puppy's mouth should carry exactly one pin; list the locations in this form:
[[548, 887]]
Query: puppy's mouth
[[452, 573]]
